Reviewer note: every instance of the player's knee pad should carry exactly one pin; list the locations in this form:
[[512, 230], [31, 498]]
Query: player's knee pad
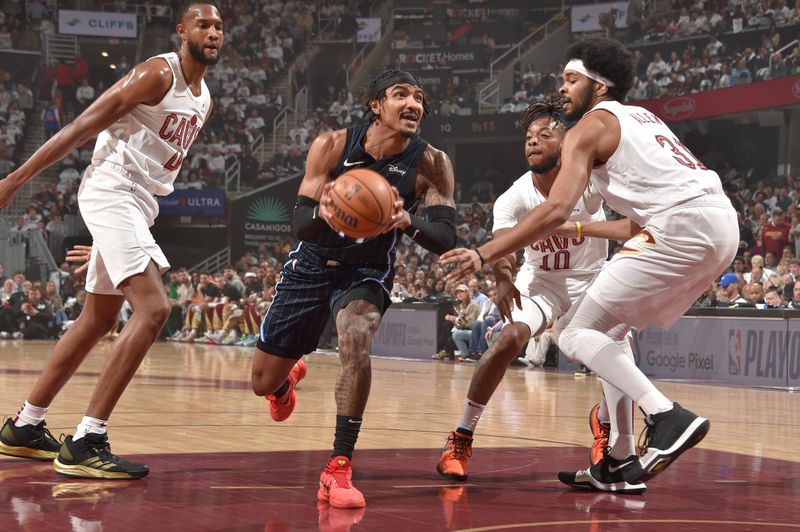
[[581, 345], [568, 339]]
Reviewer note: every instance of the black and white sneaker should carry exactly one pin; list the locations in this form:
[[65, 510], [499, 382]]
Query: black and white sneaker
[[667, 436], [609, 474]]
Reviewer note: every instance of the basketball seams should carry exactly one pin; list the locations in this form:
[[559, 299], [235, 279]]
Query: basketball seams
[[355, 176], [355, 207], [352, 207], [350, 229]]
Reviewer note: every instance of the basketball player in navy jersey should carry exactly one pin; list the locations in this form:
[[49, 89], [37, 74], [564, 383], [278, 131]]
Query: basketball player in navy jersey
[[145, 124], [329, 274]]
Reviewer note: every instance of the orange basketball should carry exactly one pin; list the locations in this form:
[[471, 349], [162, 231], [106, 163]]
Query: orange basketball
[[362, 203]]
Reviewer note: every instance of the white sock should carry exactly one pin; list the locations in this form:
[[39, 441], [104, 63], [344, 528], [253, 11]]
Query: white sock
[[612, 364], [470, 415], [29, 415], [90, 424], [620, 408], [602, 412]]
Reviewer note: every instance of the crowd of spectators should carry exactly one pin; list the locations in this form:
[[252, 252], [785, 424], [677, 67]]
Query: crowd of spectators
[[34, 309], [16, 107], [766, 271]]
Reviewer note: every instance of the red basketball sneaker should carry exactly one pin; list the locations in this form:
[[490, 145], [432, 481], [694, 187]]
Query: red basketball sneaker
[[282, 407], [336, 485], [455, 455], [600, 431]]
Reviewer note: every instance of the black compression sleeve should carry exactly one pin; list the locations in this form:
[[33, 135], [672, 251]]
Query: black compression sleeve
[[437, 231], [306, 223]]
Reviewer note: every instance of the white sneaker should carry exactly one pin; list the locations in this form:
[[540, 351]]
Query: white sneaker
[[17, 335], [231, 338]]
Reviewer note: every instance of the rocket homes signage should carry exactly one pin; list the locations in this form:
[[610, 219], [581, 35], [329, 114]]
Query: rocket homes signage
[[739, 99]]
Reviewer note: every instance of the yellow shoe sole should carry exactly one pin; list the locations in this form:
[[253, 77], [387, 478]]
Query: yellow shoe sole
[[79, 471], [26, 452]]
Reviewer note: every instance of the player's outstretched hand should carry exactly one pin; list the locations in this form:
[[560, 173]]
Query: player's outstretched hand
[[401, 219], [507, 295], [80, 255], [463, 262]]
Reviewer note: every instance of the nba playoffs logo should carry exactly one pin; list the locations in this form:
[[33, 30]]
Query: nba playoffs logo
[[734, 352], [679, 108]]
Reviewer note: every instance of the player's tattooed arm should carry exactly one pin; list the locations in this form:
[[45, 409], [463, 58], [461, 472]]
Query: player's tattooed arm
[[437, 231], [438, 181]]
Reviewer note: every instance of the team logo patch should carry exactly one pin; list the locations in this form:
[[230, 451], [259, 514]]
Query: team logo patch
[[644, 239]]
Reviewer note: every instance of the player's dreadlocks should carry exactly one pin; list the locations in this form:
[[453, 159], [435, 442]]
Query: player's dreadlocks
[[548, 107]]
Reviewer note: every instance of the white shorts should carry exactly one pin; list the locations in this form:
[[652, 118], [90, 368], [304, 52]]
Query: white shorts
[[119, 214], [551, 294], [660, 272]]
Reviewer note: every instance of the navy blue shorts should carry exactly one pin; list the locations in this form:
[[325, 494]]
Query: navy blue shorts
[[311, 288]]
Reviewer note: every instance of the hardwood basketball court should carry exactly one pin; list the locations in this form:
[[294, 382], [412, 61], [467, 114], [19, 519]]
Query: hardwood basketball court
[[218, 462]]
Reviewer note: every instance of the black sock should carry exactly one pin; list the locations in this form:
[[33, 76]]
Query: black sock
[[283, 389], [465, 432], [347, 428]]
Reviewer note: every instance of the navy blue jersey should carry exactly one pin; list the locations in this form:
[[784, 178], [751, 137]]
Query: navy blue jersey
[[400, 171]]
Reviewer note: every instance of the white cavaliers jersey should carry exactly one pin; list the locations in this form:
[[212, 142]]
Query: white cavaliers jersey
[[554, 254], [650, 171], [150, 142]]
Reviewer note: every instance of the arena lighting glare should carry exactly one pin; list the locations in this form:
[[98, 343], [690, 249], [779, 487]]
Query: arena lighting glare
[[112, 66], [104, 53]]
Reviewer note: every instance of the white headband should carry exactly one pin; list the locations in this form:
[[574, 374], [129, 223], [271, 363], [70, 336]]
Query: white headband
[[576, 65]]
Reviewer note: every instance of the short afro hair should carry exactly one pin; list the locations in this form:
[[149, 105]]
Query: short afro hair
[[187, 4], [610, 59], [547, 107]]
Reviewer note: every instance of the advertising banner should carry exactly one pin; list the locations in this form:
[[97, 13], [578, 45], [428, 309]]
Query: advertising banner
[[407, 330], [738, 351], [369, 29], [433, 76], [97, 23], [191, 202], [263, 217], [739, 99], [496, 10], [458, 57], [587, 17]]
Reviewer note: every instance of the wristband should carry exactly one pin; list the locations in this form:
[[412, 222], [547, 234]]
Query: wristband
[[578, 227], [480, 256]]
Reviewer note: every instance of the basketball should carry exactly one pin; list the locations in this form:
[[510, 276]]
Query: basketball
[[362, 203]]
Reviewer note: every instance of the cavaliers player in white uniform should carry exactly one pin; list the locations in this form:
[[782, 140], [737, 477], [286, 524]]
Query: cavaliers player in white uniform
[[144, 124], [557, 271], [690, 234]]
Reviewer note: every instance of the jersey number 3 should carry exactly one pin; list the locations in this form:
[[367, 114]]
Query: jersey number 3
[[680, 153]]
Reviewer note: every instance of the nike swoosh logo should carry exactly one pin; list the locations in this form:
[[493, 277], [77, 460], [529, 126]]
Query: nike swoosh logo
[[354, 422], [612, 469], [348, 163]]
